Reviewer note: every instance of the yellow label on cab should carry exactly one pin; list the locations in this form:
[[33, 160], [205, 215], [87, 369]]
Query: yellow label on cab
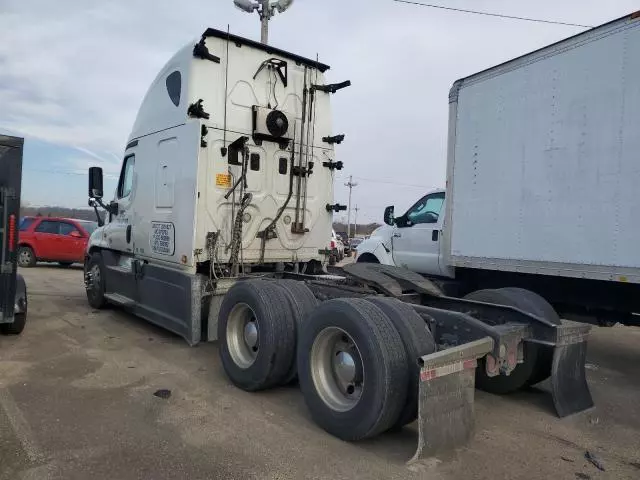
[[223, 180]]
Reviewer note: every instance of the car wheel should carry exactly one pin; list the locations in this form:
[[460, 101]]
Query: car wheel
[[26, 257]]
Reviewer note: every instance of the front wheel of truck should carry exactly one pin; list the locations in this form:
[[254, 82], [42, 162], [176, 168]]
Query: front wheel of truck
[[94, 281]]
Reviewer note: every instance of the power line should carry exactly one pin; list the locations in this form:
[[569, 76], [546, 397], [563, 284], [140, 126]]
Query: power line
[[490, 14], [388, 182], [67, 172]]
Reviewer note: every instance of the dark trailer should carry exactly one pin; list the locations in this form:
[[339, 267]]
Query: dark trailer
[[13, 291]]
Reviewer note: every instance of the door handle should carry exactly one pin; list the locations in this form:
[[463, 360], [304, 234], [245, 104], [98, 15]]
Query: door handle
[[434, 235], [397, 235], [128, 233]]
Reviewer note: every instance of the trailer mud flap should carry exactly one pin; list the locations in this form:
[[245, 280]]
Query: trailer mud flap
[[569, 387], [446, 417]]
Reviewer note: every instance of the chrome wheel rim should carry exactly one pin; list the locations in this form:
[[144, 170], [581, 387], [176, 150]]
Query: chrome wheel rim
[[95, 278], [24, 258], [243, 335], [337, 369]]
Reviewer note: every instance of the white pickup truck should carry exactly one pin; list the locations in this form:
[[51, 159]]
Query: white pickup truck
[[542, 179]]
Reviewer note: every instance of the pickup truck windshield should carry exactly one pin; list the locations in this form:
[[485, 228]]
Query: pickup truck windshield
[[427, 210]]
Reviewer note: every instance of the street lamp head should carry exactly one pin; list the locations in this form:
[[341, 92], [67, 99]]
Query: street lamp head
[[283, 5], [246, 5]]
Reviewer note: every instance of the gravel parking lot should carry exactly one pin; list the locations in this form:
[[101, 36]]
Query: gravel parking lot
[[77, 402]]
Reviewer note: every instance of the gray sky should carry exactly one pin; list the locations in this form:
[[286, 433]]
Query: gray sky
[[73, 73]]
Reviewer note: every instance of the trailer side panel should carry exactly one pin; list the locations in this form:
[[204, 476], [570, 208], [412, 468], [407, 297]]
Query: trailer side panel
[[545, 160]]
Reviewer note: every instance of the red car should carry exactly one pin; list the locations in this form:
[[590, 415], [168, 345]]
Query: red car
[[48, 239]]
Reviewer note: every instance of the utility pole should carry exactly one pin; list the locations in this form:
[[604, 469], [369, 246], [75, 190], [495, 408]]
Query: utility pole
[[265, 15], [350, 184], [355, 222]]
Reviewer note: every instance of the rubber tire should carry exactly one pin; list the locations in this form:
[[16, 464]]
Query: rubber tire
[[523, 372], [276, 327], [15, 328], [96, 298], [33, 260], [538, 305], [65, 264], [302, 302], [417, 340], [534, 303], [384, 362]]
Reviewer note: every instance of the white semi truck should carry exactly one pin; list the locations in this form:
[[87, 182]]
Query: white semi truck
[[542, 182], [218, 232]]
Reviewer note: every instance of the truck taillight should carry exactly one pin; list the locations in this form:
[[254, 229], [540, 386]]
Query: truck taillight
[[333, 244], [12, 232]]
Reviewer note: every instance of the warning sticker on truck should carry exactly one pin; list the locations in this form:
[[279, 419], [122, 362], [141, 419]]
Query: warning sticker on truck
[[162, 238], [223, 180]]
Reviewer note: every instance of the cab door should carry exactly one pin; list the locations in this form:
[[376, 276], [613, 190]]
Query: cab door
[[118, 259], [119, 232], [416, 236], [73, 242], [47, 241]]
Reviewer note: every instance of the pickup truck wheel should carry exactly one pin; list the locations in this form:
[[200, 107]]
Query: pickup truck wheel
[[352, 368], [417, 340], [302, 302], [367, 258], [26, 257], [256, 328], [533, 303], [94, 280], [523, 372]]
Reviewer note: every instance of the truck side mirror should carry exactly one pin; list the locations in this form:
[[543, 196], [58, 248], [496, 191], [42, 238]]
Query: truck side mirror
[[388, 215], [95, 182]]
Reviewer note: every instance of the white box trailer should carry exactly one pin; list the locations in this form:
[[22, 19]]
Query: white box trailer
[[543, 168], [541, 181], [543, 173]]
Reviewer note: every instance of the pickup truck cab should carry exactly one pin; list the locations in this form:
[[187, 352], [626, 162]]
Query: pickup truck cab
[[412, 240]]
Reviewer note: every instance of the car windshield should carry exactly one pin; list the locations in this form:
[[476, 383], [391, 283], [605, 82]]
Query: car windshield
[[88, 226]]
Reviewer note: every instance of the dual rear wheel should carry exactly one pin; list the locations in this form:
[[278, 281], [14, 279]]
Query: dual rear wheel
[[356, 359]]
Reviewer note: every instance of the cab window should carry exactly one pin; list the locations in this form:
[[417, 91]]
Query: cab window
[[427, 210], [126, 177]]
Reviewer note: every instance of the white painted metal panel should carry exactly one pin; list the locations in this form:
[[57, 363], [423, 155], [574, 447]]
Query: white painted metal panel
[[546, 164]]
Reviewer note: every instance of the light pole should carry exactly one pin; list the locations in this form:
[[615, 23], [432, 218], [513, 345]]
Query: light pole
[[266, 9]]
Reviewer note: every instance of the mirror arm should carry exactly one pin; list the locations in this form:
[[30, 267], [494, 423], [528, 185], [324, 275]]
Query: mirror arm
[[111, 208]]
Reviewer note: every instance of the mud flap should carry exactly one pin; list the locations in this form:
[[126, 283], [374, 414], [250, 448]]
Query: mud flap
[[446, 417], [569, 387]]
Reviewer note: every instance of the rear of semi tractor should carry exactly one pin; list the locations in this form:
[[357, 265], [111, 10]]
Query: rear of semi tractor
[[218, 231]]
